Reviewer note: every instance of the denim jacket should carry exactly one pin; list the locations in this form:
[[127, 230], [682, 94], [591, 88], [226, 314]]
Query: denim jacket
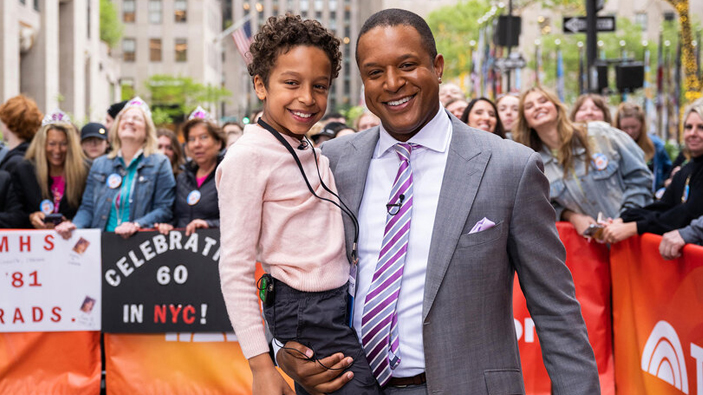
[[152, 197], [661, 163], [617, 177]]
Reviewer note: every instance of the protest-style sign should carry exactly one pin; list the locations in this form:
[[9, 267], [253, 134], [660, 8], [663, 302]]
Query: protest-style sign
[[48, 284], [155, 283]]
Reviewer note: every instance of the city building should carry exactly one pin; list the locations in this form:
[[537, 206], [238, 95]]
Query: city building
[[344, 17], [50, 50], [171, 37]]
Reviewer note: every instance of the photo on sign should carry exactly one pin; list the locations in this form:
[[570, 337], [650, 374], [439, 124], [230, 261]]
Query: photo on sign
[[88, 304], [81, 245]]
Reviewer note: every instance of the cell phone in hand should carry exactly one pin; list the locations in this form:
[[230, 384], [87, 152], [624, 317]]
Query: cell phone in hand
[[595, 231], [54, 218]]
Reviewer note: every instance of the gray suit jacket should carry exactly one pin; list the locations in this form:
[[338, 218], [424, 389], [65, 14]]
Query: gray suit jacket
[[468, 329]]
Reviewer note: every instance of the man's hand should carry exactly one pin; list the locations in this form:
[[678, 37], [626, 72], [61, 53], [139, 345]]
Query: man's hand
[[671, 245], [314, 376]]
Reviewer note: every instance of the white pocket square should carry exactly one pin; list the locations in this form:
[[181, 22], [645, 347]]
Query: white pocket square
[[482, 225]]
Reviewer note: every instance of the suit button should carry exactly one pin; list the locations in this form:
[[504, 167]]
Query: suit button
[[103, 217]]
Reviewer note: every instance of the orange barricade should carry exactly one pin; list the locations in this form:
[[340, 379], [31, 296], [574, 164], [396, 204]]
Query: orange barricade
[[589, 266], [177, 363], [658, 329], [657, 318], [50, 363]]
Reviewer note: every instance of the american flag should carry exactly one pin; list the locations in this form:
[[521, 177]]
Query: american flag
[[242, 40]]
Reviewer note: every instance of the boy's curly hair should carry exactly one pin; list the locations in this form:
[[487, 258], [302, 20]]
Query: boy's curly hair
[[280, 34]]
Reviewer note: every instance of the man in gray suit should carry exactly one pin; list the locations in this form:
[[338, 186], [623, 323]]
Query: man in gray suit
[[480, 213]]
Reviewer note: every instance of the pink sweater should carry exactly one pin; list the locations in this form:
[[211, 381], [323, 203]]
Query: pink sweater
[[267, 214]]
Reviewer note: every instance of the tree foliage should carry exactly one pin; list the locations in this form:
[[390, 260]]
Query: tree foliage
[[454, 27], [111, 28], [178, 96]]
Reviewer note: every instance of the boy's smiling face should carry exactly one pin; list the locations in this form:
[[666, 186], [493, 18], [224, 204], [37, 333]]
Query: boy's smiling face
[[296, 95]]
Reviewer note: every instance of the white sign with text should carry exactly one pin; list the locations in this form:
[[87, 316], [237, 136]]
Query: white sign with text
[[48, 284]]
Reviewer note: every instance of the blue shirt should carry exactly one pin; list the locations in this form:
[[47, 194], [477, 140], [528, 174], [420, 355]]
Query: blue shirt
[[119, 212]]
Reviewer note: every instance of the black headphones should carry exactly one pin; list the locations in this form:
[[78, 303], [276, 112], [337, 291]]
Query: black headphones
[[303, 145]]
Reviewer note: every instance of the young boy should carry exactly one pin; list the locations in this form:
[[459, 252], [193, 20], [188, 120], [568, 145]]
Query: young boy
[[269, 214]]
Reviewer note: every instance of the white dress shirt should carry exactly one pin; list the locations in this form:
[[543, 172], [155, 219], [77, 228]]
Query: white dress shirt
[[428, 163]]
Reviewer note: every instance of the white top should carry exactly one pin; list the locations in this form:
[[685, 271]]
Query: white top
[[428, 163]]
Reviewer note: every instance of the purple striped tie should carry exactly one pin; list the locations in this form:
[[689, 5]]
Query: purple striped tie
[[379, 323]]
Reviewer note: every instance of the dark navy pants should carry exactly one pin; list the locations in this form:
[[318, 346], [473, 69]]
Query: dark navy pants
[[319, 320]]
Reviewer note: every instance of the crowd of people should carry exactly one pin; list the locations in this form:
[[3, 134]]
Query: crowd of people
[[606, 173], [610, 177]]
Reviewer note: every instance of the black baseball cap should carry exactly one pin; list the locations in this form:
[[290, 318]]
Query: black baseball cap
[[94, 129]]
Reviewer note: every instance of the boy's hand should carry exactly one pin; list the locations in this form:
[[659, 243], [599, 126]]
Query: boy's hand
[[313, 376], [267, 380]]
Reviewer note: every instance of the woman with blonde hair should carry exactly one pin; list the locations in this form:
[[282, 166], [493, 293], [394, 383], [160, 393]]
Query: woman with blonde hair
[[50, 180], [591, 169], [631, 119], [590, 107], [133, 186], [682, 201]]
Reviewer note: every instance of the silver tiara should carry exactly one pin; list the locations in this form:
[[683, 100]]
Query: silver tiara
[[137, 102], [56, 116]]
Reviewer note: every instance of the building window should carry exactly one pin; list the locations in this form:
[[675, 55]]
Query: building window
[[319, 4], [332, 4], [304, 5], [181, 50], [641, 20], [129, 50], [36, 5], [289, 5], [128, 11], [155, 11], [181, 7], [155, 49]]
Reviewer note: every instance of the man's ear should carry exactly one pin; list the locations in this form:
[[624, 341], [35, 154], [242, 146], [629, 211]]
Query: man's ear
[[439, 65], [259, 87]]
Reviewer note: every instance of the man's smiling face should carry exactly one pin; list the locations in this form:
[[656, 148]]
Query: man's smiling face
[[401, 80]]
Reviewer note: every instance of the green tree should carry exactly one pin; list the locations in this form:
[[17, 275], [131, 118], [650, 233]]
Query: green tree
[[111, 28], [175, 97], [454, 27]]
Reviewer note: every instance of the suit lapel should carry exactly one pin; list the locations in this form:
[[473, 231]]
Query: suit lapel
[[350, 175], [466, 164]]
